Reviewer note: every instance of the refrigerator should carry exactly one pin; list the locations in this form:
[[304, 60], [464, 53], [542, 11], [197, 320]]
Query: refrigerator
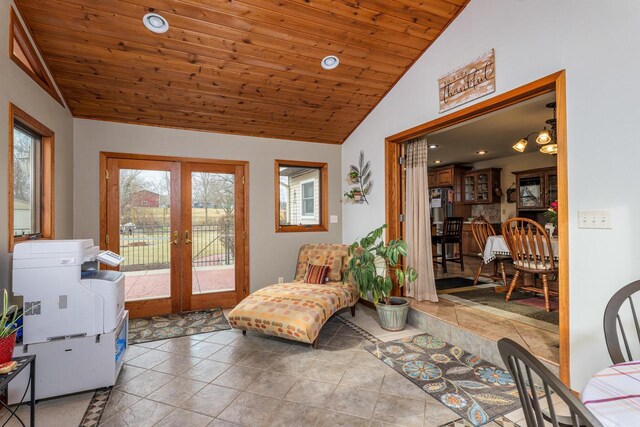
[[441, 207]]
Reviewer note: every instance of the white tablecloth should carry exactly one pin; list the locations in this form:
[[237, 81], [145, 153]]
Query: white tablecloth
[[613, 395], [497, 246]]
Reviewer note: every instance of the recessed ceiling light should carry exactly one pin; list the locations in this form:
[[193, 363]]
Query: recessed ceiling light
[[482, 152], [330, 62], [433, 145], [155, 23], [437, 161]]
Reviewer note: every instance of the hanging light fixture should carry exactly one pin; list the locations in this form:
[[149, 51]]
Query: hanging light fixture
[[546, 138], [520, 145], [549, 149]]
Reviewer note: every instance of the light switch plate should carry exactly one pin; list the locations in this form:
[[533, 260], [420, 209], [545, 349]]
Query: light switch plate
[[333, 219], [601, 219]]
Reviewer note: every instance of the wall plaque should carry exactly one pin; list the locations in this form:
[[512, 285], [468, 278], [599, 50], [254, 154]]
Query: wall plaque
[[472, 81]]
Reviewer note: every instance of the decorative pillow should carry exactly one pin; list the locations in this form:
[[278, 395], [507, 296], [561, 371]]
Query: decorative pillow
[[317, 274]]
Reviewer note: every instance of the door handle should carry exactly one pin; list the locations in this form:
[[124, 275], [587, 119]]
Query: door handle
[[186, 237], [174, 242]]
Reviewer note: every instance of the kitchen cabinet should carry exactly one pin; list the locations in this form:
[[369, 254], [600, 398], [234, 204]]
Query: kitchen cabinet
[[479, 186], [432, 180], [444, 177], [536, 189]]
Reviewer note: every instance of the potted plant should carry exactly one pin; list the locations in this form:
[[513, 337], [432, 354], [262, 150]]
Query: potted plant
[[371, 265], [354, 175], [8, 329]]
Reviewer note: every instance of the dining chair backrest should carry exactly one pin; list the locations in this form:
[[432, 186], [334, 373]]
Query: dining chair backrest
[[529, 245], [452, 227], [482, 230], [535, 383], [620, 312]]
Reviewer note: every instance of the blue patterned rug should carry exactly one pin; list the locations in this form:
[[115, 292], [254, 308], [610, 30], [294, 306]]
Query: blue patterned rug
[[475, 389]]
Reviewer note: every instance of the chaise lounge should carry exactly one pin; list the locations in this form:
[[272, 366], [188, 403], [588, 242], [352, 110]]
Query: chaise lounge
[[298, 310]]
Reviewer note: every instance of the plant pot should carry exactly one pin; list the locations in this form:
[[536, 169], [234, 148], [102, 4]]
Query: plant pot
[[7, 345], [393, 317]]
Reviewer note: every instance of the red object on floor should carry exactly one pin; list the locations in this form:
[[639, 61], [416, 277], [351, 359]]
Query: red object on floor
[[7, 344], [538, 303]]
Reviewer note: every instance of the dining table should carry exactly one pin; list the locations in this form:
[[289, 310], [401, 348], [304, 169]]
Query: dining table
[[497, 246], [613, 395]]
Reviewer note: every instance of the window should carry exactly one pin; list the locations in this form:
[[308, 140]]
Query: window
[[308, 192], [24, 55], [301, 196], [30, 177]]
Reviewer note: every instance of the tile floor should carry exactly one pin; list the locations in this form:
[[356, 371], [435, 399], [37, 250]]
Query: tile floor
[[226, 379], [541, 340]]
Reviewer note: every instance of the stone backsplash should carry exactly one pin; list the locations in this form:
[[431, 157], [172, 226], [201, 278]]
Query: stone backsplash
[[490, 212]]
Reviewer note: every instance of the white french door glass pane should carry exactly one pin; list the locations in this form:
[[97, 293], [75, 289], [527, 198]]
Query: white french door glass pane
[[213, 232], [145, 233]]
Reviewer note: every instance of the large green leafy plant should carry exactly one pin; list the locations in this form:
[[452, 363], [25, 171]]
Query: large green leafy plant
[[371, 264]]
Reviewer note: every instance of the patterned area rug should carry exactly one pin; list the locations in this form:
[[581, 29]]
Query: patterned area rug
[[487, 296], [475, 389], [176, 325], [453, 282]]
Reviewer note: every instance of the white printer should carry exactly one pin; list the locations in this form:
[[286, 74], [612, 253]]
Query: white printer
[[74, 321]]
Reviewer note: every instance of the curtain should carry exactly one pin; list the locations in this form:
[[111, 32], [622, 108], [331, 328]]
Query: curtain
[[418, 221]]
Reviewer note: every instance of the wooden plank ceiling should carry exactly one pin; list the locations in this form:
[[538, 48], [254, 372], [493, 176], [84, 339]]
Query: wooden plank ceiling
[[249, 67]]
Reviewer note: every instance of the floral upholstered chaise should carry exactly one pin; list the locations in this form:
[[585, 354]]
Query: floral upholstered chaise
[[298, 310]]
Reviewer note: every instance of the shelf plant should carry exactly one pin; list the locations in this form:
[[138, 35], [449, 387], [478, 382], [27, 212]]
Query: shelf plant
[[8, 328], [360, 178], [371, 265]]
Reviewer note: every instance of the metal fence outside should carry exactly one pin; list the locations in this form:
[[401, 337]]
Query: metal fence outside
[[148, 247]]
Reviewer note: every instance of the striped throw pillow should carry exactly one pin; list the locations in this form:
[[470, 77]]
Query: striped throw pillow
[[317, 274]]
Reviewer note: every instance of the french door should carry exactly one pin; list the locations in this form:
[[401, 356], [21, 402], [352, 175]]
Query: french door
[[181, 226]]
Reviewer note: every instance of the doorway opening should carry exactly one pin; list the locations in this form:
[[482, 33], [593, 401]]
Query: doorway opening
[[181, 225], [471, 171]]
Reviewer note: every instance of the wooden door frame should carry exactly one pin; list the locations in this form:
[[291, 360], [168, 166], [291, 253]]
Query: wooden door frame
[[158, 305], [227, 298], [243, 210], [554, 82]]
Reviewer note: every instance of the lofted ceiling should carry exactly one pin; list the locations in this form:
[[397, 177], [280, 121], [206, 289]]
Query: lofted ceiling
[[249, 67]]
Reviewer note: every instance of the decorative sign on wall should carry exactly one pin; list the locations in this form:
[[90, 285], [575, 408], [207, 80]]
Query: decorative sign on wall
[[472, 81]]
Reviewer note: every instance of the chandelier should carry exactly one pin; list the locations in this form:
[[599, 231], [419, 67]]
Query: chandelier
[[546, 138]]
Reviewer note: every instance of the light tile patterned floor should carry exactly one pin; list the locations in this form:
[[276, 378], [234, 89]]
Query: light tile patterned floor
[[541, 342], [227, 379]]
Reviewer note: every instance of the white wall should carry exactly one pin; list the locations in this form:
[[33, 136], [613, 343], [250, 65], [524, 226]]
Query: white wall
[[272, 254], [596, 44], [18, 88], [518, 162]]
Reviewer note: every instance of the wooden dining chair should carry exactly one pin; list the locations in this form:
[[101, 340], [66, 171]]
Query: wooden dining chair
[[451, 234], [482, 230], [535, 382], [531, 252], [622, 311]]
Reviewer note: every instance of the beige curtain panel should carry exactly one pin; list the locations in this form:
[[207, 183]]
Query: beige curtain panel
[[418, 221]]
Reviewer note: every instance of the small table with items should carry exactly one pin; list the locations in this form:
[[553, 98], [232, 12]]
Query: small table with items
[[5, 379], [613, 395]]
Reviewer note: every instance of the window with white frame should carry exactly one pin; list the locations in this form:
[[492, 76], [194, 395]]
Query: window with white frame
[[308, 196]]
